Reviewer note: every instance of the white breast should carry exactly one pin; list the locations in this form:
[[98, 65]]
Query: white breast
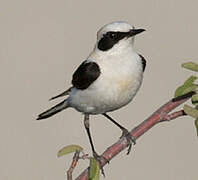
[[116, 86]]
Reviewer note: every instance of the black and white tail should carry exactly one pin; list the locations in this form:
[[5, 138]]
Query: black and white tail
[[57, 108]]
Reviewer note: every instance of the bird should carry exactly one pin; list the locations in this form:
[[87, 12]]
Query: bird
[[107, 80]]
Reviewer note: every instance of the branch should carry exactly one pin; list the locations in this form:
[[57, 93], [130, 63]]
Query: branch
[[73, 165], [169, 117], [76, 157], [160, 115]]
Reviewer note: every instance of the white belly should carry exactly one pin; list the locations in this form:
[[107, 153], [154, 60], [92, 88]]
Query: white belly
[[114, 88]]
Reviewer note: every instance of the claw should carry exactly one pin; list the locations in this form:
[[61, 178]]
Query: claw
[[130, 139], [98, 158]]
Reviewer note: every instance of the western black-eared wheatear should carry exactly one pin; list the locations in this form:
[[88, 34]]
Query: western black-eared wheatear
[[107, 80]]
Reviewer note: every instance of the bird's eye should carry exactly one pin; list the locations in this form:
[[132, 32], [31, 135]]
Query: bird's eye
[[113, 35]]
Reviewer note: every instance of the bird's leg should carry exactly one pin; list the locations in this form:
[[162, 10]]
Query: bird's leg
[[95, 155], [125, 133]]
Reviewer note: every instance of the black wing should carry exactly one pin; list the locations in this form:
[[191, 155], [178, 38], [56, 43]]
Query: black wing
[[85, 75], [143, 62]]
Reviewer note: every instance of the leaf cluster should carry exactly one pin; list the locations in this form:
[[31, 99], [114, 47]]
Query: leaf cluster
[[189, 86]]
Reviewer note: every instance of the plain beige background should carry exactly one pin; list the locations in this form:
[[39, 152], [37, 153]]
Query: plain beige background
[[43, 41]]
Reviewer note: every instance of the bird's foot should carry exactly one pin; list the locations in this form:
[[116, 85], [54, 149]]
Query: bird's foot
[[98, 158], [130, 139]]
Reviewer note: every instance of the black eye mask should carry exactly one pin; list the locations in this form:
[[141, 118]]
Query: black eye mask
[[110, 39]]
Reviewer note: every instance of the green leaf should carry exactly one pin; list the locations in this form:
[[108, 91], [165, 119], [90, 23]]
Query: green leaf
[[190, 88], [97, 175], [194, 99], [69, 149], [191, 111], [190, 80], [94, 171], [191, 66], [186, 87], [196, 125], [179, 91]]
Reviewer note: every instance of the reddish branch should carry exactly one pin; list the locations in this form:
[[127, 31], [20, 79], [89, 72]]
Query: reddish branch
[[160, 115], [73, 165], [76, 157], [172, 116]]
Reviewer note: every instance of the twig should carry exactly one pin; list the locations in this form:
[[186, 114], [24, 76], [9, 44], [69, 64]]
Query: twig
[[160, 115], [73, 165], [174, 115]]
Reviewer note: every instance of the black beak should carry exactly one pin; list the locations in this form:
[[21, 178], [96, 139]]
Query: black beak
[[133, 32]]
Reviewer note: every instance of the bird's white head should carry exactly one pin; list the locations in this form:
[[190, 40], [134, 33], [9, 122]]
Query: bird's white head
[[116, 36]]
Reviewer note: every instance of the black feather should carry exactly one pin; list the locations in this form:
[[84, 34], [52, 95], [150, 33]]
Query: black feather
[[143, 62], [85, 75], [65, 93], [50, 112], [110, 39]]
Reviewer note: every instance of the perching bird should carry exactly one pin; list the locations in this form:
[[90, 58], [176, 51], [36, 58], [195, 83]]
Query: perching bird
[[107, 80]]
